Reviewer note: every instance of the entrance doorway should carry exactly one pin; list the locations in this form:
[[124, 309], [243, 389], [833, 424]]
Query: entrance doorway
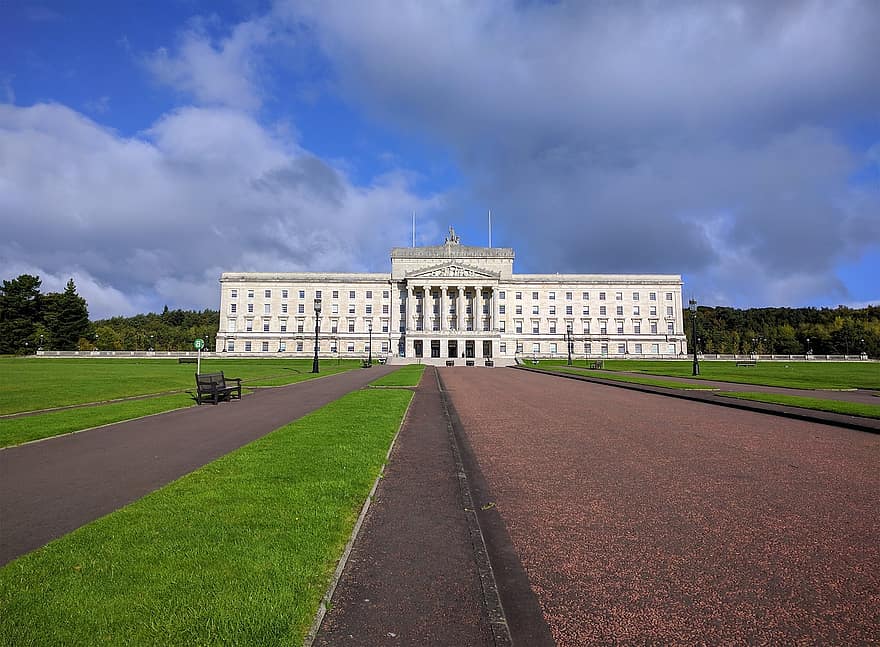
[[469, 349], [487, 348], [435, 348], [452, 348], [418, 348]]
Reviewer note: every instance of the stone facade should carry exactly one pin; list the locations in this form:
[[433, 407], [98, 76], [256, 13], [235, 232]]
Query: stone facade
[[452, 301]]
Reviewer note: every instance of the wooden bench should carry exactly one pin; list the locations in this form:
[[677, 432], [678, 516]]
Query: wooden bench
[[213, 387], [597, 364], [747, 362]]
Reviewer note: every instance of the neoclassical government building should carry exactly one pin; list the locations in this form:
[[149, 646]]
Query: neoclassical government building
[[451, 301]]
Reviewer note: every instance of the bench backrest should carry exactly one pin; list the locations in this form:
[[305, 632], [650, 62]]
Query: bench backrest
[[210, 379]]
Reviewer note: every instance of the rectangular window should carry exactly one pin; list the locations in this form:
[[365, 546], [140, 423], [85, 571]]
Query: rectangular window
[[568, 310], [619, 311], [552, 296], [284, 325], [655, 348], [247, 347], [386, 294], [284, 308], [350, 347], [334, 326], [619, 327], [535, 328], [519, 326], [369, 309], [502, 325], [621, 349], [518, 310], [230, 345], [384, 325], [604, 350], [552, 348], [585, 296], [586, 326], [250, 294], [569, 296], [535, 310], [635, 296], [601, 296], [618, 296], [267, 308], [384, 346], [300, 326], [302, 294], [586, 310], [385, 308], [653, 327], [603, 327], [317, 294], [230, 325], [588, 348], [536, 347], [351, 325], [233, 294], [534, 296], [652, 296], [351, 294], [299, 347], [669, 296], [501, 294], [636, 310], [637, 327], [248, 325], [283, 294], [519, 347], [265, 326], [334, 309], [670, 327], [267, 294], [668, 311], [369, 294], [552, 327], [301, 308], [552, 310], [265, 347], [282, 346], [638, 349], [335, 294], [519, 295], [233, 307], [602, 311], [502, 348], [501, 309], [251, 308]]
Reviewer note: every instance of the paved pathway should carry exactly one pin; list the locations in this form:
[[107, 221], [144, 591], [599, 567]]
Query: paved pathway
[[412, 578], [52, 487], [643, 519]]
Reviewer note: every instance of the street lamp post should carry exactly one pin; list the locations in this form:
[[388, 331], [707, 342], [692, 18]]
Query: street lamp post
[[809, 347], [41, 342], [370, 343], [568, 342], [317, 322], [692, 304]]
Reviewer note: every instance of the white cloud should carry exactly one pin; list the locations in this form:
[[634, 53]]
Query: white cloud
[[622, 130], [141, 223], [223, 72]]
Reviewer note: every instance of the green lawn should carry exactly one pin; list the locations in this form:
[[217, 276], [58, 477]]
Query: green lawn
[[799, 375], [239, 552], [28, 384], [834, 406], [408, 375]]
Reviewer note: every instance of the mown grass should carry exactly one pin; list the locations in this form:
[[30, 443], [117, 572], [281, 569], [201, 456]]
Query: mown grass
[[239, 552], [799, 375], [408, 375], [14, 431], [29, 384], [621, 378], [834, 406]]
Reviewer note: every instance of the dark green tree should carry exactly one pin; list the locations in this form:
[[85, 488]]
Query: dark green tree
[[20, 312], [67, 318]]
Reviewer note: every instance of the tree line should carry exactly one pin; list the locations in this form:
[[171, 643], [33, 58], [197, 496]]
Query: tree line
[[60, 321], [824, 331]]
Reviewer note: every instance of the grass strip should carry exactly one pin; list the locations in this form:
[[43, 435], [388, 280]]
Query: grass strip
[[14, 431], [238, 552], [28, 384], [408, 375], [605, 375], [833, 406]]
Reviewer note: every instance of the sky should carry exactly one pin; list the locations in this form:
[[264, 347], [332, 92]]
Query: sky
[[146, 147]]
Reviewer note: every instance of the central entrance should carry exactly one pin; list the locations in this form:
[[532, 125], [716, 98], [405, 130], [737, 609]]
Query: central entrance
[[469, 350], [487, 348], [452, 347]]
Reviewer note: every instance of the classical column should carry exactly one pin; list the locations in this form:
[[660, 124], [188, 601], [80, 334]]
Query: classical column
[[443, 324], [460, 308]]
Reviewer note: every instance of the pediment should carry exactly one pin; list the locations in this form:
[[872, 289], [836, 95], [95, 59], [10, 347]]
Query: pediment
[[453, 271]]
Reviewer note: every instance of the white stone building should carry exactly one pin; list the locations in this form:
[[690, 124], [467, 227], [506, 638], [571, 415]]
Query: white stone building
[[452, 301]]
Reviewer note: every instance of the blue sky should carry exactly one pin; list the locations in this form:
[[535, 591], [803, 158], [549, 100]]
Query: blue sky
[[147, 147]]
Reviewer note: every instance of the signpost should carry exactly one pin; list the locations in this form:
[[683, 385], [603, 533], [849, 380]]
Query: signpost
[[199, 344]]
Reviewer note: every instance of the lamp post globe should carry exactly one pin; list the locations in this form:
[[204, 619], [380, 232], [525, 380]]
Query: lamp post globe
[[692, 306], [317, 322]]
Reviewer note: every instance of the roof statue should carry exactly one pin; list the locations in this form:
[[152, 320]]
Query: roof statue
[[452, 238]]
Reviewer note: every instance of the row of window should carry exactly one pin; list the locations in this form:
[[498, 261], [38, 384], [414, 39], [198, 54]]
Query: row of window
[[301, 308], [232, 324], [586, 327], [285, 293], [585, 296], [299, 347], [603, 310], [554, 348]]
